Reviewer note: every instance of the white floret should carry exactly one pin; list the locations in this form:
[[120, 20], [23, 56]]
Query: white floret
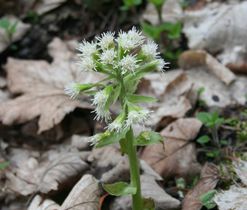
[[128, 63], [137, 117], [72, 90], [87, 49], [150, 49], [131, 39], [106, 40], [87, 64], [108, 56]]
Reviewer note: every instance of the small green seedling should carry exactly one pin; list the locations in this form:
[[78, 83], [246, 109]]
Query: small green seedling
[[158, 5], [173, 30], [131, 3], [207, 199], [211, 121], [4, 165], [181, 185], [8, 27]]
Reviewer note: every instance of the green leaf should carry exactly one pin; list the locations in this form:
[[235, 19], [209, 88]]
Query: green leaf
[[119, 188], [4, 23], [4, 165], [210, 119], [152, 31], [203, 139], [123, 146], [213, 153], [207, 199], [131, 3], [148, 204], [157, 3], [110, 138], [147, 138], [173, 30], [135, 99]]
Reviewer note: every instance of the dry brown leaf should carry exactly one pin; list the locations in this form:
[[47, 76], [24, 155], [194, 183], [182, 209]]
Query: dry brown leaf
[[174, 94], [84, 195], [39, 204], [42, 85], [109, 169], [177, 155], [207, 182], [195, 58], [216, 93], [44, 6], [21, 29], [28, 175], [214, 28]]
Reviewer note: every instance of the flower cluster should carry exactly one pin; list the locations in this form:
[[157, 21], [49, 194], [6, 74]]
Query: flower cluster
[[124, 59]]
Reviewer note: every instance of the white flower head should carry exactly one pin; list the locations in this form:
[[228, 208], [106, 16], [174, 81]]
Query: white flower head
[[73, 90], [108, 56], [87, 64], [102, 114], [100, 98], [106, 40], [150, 49], [128, 63], [137, 117], [131, 39], [161, 64], [87, 49], [118, 124]]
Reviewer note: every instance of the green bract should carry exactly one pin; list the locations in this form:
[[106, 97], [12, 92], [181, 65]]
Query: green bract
[[124, 60]]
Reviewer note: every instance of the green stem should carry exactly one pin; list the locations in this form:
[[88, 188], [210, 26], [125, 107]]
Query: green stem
[[137, 203]]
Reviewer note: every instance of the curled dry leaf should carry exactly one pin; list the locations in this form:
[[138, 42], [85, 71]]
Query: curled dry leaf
[[214, 28], [162, 200], [39, 204], [177, 155], [20, 29], [44, 6], [174, 95], [195, 58], [84, 195], [29, 175], [208, 181], [42, 87]]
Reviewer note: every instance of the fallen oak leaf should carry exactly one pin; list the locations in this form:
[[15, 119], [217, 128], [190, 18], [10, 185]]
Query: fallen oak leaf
[[177, 155], [84, 195], [42, 85], [195, 58], [30, 176], [208, 181]]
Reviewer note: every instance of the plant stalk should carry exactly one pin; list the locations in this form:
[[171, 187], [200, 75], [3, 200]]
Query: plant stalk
[[137, 202]]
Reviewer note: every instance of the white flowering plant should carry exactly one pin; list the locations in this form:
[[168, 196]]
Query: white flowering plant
[[124, 60]]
